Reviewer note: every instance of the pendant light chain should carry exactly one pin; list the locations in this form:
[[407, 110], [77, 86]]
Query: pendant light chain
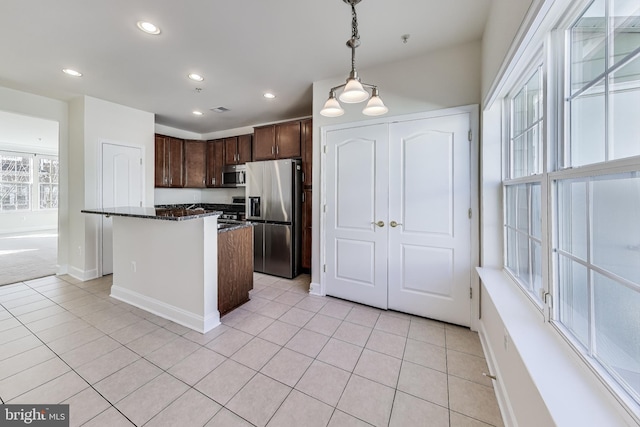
[[354, 23], [355, 36]]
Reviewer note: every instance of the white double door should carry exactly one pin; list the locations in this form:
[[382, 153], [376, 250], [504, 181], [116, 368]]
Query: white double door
[[398, 233]]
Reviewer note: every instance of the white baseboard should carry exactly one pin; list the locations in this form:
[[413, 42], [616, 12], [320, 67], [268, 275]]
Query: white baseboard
[[82, 275], [182, 317], [62, 269], [315, 289]]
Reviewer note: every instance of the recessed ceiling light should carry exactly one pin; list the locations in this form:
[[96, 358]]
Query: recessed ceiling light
[[197, 113], [71, 72], [196, 77], [269, 95], [148, 27]]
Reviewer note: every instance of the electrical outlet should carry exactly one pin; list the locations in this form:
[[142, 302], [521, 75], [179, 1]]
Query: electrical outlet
[[134, 266], [79, 250]]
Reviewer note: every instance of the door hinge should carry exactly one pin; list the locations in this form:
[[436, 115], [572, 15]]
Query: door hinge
[[141, 161], [470, 135], [470, 293], [324, 149], [470, 213], [324, 268], [324, 208]]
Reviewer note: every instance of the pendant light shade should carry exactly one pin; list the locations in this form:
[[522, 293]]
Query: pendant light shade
[[375, 106], [354, 90], [332, 107]]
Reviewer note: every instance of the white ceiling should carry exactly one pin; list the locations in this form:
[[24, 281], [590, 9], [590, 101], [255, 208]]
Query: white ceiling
[[243, 48]]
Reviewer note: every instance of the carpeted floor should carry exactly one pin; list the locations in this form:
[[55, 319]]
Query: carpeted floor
[[28, 255]]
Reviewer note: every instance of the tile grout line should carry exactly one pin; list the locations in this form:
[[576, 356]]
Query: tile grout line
[[72, 369]]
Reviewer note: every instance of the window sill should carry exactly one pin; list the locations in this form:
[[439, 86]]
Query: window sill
[[571, 392]]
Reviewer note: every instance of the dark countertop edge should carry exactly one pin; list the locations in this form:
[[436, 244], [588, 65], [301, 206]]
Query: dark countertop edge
[[234, 227], [108, 213]]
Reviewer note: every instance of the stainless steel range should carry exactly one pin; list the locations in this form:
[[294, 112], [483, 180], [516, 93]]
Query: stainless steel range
[[235, 211]]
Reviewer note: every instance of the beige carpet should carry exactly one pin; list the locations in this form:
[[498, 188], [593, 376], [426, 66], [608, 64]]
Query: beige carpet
[[26, 256]]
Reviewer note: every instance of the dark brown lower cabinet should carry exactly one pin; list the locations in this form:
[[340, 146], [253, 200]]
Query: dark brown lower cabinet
[[235, 268]]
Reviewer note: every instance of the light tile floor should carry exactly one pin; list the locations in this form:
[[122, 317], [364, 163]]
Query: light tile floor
[[285, 358]]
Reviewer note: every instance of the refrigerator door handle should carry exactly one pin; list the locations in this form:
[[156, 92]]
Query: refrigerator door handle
[[254, 204]]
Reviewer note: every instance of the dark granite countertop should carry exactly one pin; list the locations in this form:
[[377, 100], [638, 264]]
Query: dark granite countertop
[[224, 226], [169, 214]]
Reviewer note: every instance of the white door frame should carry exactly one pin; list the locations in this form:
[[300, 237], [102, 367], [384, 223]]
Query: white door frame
[[474, 113], [99, 180]]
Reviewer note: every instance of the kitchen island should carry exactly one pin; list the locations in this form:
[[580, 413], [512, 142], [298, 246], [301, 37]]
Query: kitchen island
[[165, 261]]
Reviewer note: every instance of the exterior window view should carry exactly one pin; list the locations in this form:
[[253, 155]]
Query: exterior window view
[[349, 213], [23, 185]]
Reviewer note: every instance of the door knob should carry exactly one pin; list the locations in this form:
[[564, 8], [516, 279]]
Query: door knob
[[394, 224], [379, 223]]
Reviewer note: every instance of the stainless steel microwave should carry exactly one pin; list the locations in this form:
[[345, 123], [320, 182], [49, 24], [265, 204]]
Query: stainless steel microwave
[[234, 176]]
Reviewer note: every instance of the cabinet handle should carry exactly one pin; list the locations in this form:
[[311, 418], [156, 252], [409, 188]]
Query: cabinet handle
[[213, 181], [394, 224], [277, 149], [379, 223], [272, 150]]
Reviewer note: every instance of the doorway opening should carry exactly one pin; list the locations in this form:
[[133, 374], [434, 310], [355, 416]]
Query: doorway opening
[[29, 188]]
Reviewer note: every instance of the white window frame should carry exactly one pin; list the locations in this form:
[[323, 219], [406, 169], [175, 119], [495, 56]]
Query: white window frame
[[538, 63], [555, 168]]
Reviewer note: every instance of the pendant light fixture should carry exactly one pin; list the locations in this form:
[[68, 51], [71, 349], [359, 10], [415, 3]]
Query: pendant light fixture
[[354, 90]]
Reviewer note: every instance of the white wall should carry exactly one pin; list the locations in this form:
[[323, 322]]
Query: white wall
[[501, 32], [94, 121], [50, 109], [440, 79]]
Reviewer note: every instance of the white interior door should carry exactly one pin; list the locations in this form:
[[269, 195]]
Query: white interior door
[[429, 198], [121, 186], [356, 199]]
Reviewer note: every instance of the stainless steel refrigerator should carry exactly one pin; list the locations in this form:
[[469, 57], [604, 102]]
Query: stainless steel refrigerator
[[274, 194]]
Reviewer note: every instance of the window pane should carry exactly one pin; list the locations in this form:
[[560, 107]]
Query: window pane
[[615, 241], [536, 208], [588, 40], [519, 157], [626, 38], [512, 250], [624, 105], [588, 127], [574, 298], [533, 151], [536, 270], [519, 114], [617, 322], [522, 208], [534, 99], [526, 138], [522, 264], [572, 217]]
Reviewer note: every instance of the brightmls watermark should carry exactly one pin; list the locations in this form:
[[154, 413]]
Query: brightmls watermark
[[34, 415]]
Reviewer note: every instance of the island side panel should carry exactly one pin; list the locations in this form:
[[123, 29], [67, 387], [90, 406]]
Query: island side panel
[[168, 268]]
